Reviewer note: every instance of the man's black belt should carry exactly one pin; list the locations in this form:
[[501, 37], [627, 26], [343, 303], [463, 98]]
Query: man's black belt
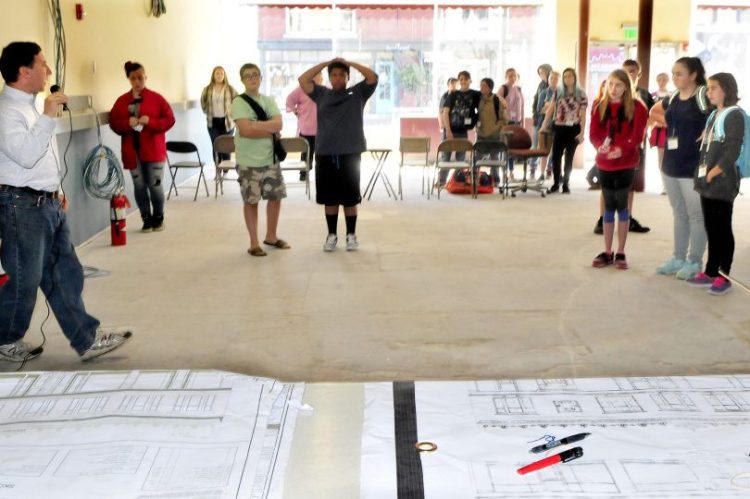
[[30, 191]]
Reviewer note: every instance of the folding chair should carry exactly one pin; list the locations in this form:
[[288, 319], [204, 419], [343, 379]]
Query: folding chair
[[412, 149], [492, 154], [449, 146], [297, 145], [224, 144], [519, 143], [179, 147]]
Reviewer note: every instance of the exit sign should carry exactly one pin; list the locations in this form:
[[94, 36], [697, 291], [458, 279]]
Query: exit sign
[[630, 32]]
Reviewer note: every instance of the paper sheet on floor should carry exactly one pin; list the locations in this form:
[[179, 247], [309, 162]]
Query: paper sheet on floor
[[663, 437], [144, 434]]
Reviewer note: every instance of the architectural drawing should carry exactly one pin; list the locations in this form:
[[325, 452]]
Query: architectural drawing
[[144, 434]]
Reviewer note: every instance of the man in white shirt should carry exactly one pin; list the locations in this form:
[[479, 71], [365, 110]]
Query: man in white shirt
[[36, 249]]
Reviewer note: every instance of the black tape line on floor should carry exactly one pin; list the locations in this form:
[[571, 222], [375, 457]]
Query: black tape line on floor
[[408, 463]]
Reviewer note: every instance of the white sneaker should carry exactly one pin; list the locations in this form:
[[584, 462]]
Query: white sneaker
[[105, 341], [351, 242], [20, 351], [331, 242]]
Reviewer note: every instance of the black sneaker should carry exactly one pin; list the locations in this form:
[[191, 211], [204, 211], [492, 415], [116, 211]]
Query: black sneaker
[[147, 225], [565, 189], [553, 188], [599, 228], [157, 224], [635, 226]]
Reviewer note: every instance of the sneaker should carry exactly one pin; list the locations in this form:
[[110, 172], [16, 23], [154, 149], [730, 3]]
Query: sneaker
[[351, 242], [671, 267], [331, 241], [20, 351], [635, 226], [603, 259], [157, 224], [720, 286], [599, 227], [553, 188], [565, 189], [147, 225], [701, 279], [688, 270], [620, 261], [105, 341]]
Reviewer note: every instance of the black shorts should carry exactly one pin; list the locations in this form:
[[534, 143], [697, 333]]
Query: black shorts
[[617, 180], [337, 179]]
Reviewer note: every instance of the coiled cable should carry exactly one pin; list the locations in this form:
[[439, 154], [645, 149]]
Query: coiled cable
[[98, 185]]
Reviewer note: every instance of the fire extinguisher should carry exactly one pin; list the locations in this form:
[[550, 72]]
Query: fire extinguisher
[[117, 206]]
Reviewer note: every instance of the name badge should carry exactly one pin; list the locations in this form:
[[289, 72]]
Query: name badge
[[672, 143], [702, 171], [467, 121]]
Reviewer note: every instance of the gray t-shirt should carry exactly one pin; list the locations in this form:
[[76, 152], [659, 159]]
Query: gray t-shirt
[[340, 126]]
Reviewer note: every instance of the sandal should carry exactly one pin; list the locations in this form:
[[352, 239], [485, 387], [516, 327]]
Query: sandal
[[280, 244], [620, 261], [257, 251]]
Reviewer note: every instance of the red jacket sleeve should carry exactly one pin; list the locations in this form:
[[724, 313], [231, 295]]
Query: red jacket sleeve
[[119, 117], [597, 129], [165, 119], [637, 130]]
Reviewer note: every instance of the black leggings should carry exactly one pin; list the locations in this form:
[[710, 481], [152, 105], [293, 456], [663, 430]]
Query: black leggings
[[717, 217], [615, 188], [564, 142]]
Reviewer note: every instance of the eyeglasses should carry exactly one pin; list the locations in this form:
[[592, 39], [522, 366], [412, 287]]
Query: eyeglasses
[[251, 76]]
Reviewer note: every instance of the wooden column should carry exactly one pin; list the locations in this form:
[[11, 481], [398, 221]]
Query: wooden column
[[645, 26], [583, 42]]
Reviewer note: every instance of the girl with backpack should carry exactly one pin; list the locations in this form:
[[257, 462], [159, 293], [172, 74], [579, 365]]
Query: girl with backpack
[[683, 115], [568, 112], [717, 179], [618, 124]]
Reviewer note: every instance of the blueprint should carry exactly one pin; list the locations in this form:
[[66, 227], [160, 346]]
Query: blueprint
[[144, 434], [660, 437]]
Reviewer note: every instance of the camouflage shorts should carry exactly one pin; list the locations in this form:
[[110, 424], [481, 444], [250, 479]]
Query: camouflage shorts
[[265, 182]]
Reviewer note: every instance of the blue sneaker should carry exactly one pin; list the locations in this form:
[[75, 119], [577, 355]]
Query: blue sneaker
[[701, 279], [671, 267], [721, 286], [688, 270]]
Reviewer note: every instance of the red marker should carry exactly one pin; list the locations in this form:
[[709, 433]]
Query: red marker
[[562, 457]]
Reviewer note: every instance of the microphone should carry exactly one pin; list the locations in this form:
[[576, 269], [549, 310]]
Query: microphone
[[54, 89]]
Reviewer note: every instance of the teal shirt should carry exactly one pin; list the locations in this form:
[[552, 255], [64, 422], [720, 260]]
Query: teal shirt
[[253, 153]]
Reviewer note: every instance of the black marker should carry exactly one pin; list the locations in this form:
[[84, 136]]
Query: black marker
[[557, 443]]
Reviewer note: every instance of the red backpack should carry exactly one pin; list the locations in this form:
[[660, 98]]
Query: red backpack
[[460, 182]]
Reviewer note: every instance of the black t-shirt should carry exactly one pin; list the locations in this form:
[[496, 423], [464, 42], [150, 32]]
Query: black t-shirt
[[686, 121], [463, 109], [646, 97]]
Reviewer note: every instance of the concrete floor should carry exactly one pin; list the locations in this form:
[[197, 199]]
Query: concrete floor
[[449, 289]]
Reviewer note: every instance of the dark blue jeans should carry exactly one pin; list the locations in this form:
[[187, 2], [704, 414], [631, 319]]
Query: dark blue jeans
[[36, 252]]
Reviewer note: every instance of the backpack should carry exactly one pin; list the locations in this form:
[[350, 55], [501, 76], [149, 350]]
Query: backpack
[[460, 182], [496, 102], [743, 160]]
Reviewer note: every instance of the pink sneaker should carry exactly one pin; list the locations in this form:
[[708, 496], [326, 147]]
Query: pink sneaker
[[701, 279]]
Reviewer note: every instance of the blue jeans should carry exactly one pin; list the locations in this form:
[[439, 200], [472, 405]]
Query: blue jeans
[[37, 252], [689, 231], [148, 189]]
